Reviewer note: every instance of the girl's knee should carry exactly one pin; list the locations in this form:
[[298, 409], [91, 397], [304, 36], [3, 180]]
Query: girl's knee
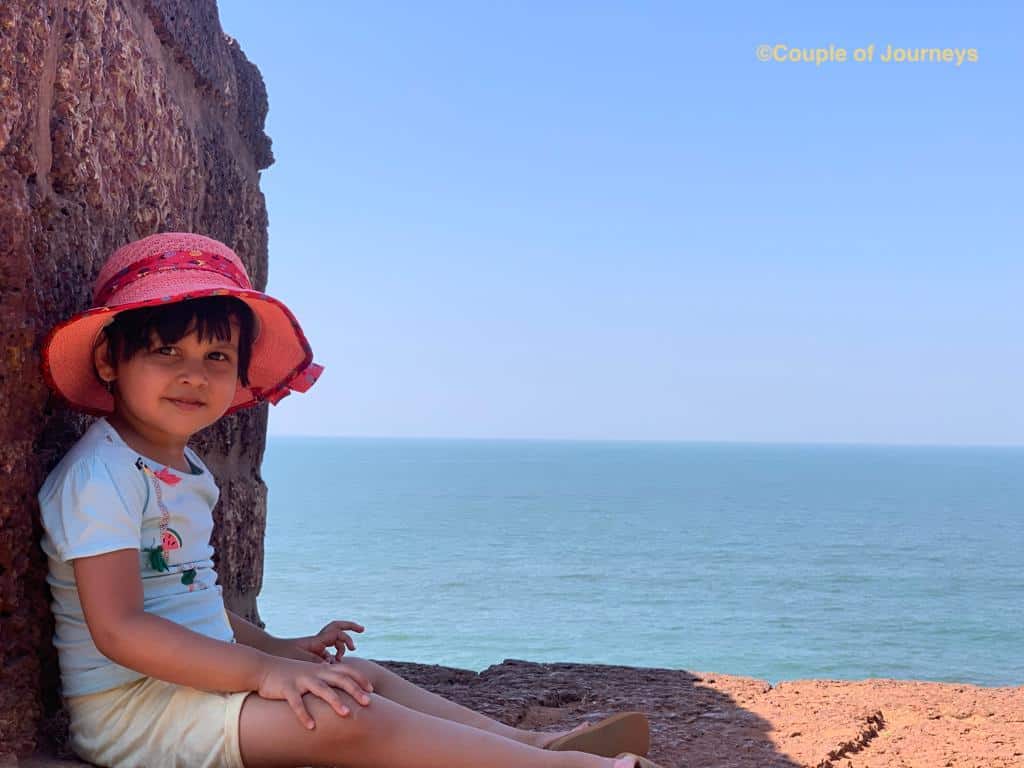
[[357, 724], [330, 723], [371, 669]]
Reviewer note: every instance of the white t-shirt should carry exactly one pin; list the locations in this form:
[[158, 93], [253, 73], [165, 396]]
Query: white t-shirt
[[101, 498]]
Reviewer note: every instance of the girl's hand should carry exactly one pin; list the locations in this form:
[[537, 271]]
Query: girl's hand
[[331, 636], [288, 680]]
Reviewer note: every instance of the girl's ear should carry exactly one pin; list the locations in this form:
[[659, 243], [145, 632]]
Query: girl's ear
[[100, 360]]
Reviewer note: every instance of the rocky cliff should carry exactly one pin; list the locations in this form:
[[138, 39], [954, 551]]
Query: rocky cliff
[[118, 118]]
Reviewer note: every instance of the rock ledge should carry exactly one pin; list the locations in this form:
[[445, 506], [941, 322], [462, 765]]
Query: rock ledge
[[701, 719]]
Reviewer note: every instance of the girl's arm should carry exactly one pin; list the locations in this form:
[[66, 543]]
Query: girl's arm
[[249, 634], [111, 593]]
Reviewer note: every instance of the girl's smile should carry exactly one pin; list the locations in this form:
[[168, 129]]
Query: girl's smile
[[188, 405]]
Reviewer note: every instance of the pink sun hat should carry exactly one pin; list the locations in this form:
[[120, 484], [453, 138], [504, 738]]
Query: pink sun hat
[[169, 267]]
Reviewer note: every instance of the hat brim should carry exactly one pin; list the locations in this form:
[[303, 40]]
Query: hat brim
[[281, 360]]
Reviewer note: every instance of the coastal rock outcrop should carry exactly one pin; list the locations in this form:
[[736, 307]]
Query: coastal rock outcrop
[[118, 118], [704, 720], [710, 720]]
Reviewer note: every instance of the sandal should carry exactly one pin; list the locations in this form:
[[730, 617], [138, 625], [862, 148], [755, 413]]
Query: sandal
[[623, 731], [638, 762]]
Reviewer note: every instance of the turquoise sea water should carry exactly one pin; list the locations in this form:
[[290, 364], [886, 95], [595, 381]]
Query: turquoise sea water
[[776, 561]]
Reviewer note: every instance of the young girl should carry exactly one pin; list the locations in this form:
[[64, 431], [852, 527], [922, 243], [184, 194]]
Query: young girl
[[154, 670]]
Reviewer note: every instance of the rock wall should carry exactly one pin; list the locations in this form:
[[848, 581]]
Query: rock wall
[[118, 118]]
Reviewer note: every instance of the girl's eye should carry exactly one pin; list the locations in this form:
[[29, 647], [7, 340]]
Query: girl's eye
[[220, 356], [165, 351]]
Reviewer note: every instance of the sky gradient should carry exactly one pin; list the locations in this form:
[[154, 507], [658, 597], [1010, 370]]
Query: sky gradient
[[611, 221]]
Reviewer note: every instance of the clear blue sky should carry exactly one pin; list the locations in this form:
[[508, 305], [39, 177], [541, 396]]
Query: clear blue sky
[[610, 220]]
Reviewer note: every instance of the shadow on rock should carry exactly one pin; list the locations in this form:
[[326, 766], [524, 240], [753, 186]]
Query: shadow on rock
[[697, 721]]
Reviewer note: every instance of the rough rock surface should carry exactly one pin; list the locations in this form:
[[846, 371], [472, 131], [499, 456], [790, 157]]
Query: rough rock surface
[[118, 118], [703, 720]]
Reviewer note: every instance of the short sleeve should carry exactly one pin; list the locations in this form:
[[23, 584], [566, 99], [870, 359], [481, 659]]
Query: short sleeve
[[92, 507]]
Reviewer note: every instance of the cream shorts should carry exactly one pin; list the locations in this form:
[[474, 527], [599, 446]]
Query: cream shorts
[[150, 723]]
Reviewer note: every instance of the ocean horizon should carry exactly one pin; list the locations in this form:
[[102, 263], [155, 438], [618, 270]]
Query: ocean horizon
[[644, 440], [775, 560]]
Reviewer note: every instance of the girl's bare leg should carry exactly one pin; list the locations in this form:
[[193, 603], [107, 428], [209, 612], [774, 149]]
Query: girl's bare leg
[[383, 734], [397, 688]]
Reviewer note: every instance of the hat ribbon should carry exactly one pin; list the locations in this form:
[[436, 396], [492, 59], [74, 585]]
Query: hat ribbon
[[172, 261]]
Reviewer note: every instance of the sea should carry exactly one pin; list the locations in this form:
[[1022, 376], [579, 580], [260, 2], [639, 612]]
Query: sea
[[780, 562]]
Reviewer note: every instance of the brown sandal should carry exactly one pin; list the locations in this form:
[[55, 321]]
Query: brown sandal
[[627, 731]]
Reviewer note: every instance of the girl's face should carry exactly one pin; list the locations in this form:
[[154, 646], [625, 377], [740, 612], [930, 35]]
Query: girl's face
[[172, 391]]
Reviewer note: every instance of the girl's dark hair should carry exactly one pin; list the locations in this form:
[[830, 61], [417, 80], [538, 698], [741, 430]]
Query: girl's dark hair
[[132, 330]]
